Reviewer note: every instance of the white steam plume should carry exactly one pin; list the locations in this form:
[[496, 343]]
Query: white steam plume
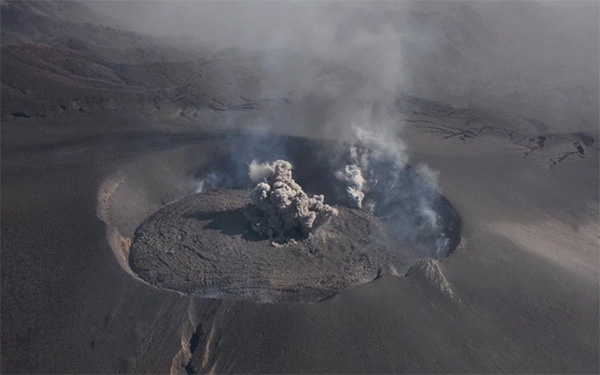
[[352, 176], [212, 180], [358, 175]]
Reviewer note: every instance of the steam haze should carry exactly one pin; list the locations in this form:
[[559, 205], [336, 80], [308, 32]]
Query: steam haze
[[511, 57]]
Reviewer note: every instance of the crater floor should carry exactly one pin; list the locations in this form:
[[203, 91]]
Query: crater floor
[[203, 245]]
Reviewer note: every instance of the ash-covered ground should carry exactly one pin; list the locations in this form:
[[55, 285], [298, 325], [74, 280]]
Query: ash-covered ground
[[203, 245]]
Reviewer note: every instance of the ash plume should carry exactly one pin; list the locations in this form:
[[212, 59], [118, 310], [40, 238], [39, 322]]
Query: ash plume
[[280, 205]]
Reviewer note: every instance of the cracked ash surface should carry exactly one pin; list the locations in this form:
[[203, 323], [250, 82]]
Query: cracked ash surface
[[203, 245]]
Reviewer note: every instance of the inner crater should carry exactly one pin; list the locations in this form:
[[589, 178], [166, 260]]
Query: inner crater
[[204, 245], [272, 218]]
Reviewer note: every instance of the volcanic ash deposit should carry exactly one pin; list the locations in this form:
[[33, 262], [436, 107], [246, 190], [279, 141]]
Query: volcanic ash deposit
[[203, 245]]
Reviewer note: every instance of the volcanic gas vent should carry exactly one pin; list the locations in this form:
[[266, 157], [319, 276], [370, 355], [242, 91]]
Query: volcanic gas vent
[[204, 245]]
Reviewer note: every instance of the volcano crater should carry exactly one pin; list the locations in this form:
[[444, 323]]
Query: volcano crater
[[202, 244]]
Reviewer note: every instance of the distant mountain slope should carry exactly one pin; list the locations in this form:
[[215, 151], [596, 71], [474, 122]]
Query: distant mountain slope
[[71, 11], [42, 21], [52, 64], [39, 80], [61, 66], [523, 59]]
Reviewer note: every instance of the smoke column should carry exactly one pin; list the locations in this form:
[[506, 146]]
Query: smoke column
[[282, 206]]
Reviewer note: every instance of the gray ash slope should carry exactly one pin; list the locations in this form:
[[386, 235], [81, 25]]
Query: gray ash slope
[[203, 245]]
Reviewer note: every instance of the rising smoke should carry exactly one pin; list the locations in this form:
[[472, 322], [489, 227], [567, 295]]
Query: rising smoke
[[281, 207], [212, 180], [371, 173], [511, 56], [337, 64], [375, 175], [369, 153], [352, 175]]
